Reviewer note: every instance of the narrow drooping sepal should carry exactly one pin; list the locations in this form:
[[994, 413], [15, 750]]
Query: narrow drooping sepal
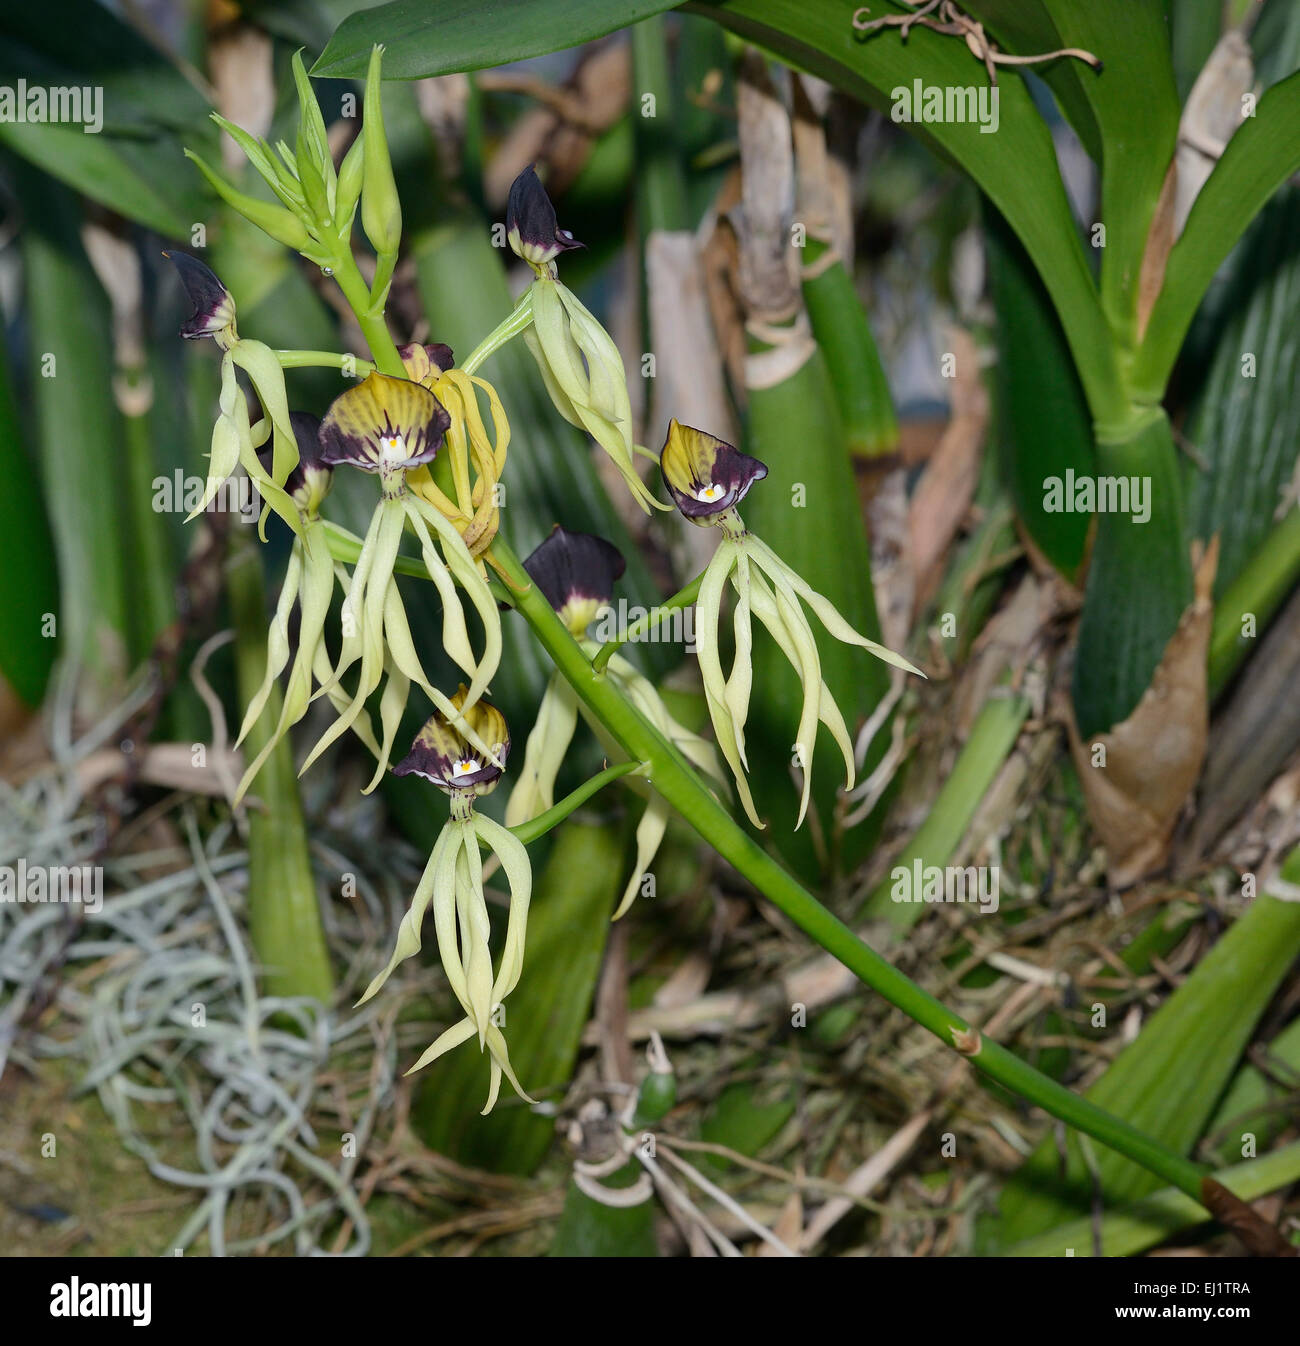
[[531, 226], [706, 476], [214, 308], [383, 425], [443, 755], [576, 572]]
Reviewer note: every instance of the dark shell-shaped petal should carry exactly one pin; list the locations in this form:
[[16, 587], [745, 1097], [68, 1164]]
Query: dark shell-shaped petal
[[704, 474], [441, 754], [423, 364], [576, 572], [214, 309], [383, 424], [531, 226]]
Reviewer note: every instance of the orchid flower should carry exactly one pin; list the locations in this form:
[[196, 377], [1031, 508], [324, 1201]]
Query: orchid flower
[[391, 426], [707, 480], [235, 440], [576, 572], [581, 366], [452, 883]]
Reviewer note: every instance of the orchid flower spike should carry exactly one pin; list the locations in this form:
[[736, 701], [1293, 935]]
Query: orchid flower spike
[[453, 883], [235, 439], [708, 479], [390, 426], [576, 572], [581, 366]]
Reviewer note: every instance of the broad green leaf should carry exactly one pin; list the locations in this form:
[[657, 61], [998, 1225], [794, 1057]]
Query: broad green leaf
[[1156, 1218], [426, 38], [590, 1228], [1169, 1080], [1263, 153], [843, 331], [1139, 580], [1244, 419], [1132, 103], [78, 439], [133, 164], [1042, 423], [26, 649]]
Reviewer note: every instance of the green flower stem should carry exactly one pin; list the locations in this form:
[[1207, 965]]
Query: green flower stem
[[520, 319], [373, 326], [323, 360], [660, 612], [538, 827], [679, 785]]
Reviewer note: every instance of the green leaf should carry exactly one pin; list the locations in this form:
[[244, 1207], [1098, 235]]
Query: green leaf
[[444, 36], [1168, 1081], [1126, 114], [133, 163], [1139, 580], [1245, 429], [589, 1228], [1043, 426], [26, 549], [843, 331], [1263, 153], [567, 928], [1156, 1218], [78, 437]]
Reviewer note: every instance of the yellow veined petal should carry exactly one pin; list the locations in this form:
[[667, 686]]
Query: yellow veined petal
[[223, 458]]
